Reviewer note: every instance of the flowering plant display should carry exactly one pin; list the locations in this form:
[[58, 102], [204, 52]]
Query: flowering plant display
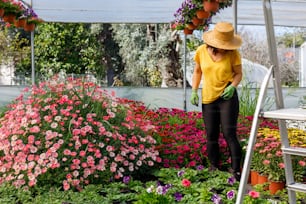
[[31, 17], [190, 185], [268, 157], [11, 7], [186, 12], [254, 197], [72, 133], [185, 16]]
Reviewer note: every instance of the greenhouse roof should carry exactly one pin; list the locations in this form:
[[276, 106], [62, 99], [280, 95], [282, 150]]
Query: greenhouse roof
[[249, 12]]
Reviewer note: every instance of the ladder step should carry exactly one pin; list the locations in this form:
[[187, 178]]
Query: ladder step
[[294, 151], [286, 114], [297, 187]]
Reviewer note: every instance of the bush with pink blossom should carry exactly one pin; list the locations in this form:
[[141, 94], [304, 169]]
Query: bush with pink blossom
[[72, 133]]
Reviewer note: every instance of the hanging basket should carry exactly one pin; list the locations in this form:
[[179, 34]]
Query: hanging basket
[[201, 14], [9, 18], [187, 31], [1, 12], [29, 27], [196, 21], [20, 23], [211, 6], [191, 26]]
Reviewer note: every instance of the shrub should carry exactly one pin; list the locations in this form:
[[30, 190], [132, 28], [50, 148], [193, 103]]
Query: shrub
[[72, 134]]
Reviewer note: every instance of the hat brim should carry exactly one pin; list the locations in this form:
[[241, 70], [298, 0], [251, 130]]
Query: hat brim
[[210, 39]]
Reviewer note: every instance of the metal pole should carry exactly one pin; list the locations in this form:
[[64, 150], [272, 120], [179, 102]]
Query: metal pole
[[235, 14], [32, 57], [184, 81]]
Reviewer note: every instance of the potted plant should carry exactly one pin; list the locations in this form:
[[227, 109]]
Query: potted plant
[[186, 15], [200, 13], [31, 19], [211, 5], [2, 5], [12, 10]]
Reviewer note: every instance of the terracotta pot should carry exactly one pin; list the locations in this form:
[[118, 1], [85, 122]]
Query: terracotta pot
[[276, 186], [29, 27], [201, 14], [187, 31], [1, 12], [254, 177], [9, 18], [262, 179], [20, 23], [196, 21], [191, 26], [211, 5]]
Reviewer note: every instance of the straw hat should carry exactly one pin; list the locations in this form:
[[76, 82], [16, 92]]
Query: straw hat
[[222, 37]]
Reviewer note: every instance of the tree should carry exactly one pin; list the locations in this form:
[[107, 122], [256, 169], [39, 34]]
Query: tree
[[71, 47], [149, 54], [111, 59], [257, 51]]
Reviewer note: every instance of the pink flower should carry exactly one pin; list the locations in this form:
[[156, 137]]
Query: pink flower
[[254, 194], [266, 162], [186, 182], [281, 165], [302, 163]]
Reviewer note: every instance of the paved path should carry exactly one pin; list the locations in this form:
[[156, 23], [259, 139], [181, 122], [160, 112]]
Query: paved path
[[9, 93]]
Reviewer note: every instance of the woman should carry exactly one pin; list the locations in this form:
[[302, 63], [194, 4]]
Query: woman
[[218, 64]]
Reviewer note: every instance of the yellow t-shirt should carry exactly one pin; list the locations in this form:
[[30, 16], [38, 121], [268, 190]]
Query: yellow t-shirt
[[215, 75]]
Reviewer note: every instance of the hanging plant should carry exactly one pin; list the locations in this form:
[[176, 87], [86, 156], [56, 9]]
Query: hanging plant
[[187, 14]]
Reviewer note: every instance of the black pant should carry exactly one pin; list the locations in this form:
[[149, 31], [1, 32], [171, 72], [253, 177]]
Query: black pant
[[222, 113]]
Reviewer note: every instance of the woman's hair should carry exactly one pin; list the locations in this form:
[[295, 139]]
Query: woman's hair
[[214, 49]]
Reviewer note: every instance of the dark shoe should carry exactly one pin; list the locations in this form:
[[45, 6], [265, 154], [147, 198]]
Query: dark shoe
[[237, 176]]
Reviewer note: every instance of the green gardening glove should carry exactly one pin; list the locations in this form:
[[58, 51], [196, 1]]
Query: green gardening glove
[[194, 99], [228, 92]]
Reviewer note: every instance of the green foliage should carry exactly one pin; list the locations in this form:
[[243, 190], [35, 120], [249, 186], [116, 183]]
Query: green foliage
[[248, 101], [71, 47], [12, 46], [148, 54], [293, 39]]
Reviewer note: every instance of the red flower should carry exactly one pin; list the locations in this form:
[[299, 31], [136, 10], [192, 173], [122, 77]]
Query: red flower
[[186, 182]]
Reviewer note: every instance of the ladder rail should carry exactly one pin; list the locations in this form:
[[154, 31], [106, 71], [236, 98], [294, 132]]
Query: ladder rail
[[252, 139], [267, 8]]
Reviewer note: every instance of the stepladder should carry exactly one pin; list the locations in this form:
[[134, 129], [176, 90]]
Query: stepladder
[[288, 151], [281, 114]]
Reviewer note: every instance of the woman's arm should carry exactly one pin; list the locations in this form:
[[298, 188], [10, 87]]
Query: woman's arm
[[237, 75], [196, 77]]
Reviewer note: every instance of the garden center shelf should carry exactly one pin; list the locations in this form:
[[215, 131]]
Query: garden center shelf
[[297, 187], [290, 114], [287, 114]]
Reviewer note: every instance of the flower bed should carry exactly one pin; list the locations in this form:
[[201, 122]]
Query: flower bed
[[70, 134]]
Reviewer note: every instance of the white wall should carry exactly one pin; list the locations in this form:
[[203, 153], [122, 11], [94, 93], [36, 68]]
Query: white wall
[[6, 75]]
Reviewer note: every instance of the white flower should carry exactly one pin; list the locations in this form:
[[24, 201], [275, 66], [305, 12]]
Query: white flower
[[150, 189]]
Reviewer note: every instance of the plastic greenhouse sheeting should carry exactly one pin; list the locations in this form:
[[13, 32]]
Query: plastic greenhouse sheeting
[[249, 12]]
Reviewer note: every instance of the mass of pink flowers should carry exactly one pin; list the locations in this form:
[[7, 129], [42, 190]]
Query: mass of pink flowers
[[73, 133]]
